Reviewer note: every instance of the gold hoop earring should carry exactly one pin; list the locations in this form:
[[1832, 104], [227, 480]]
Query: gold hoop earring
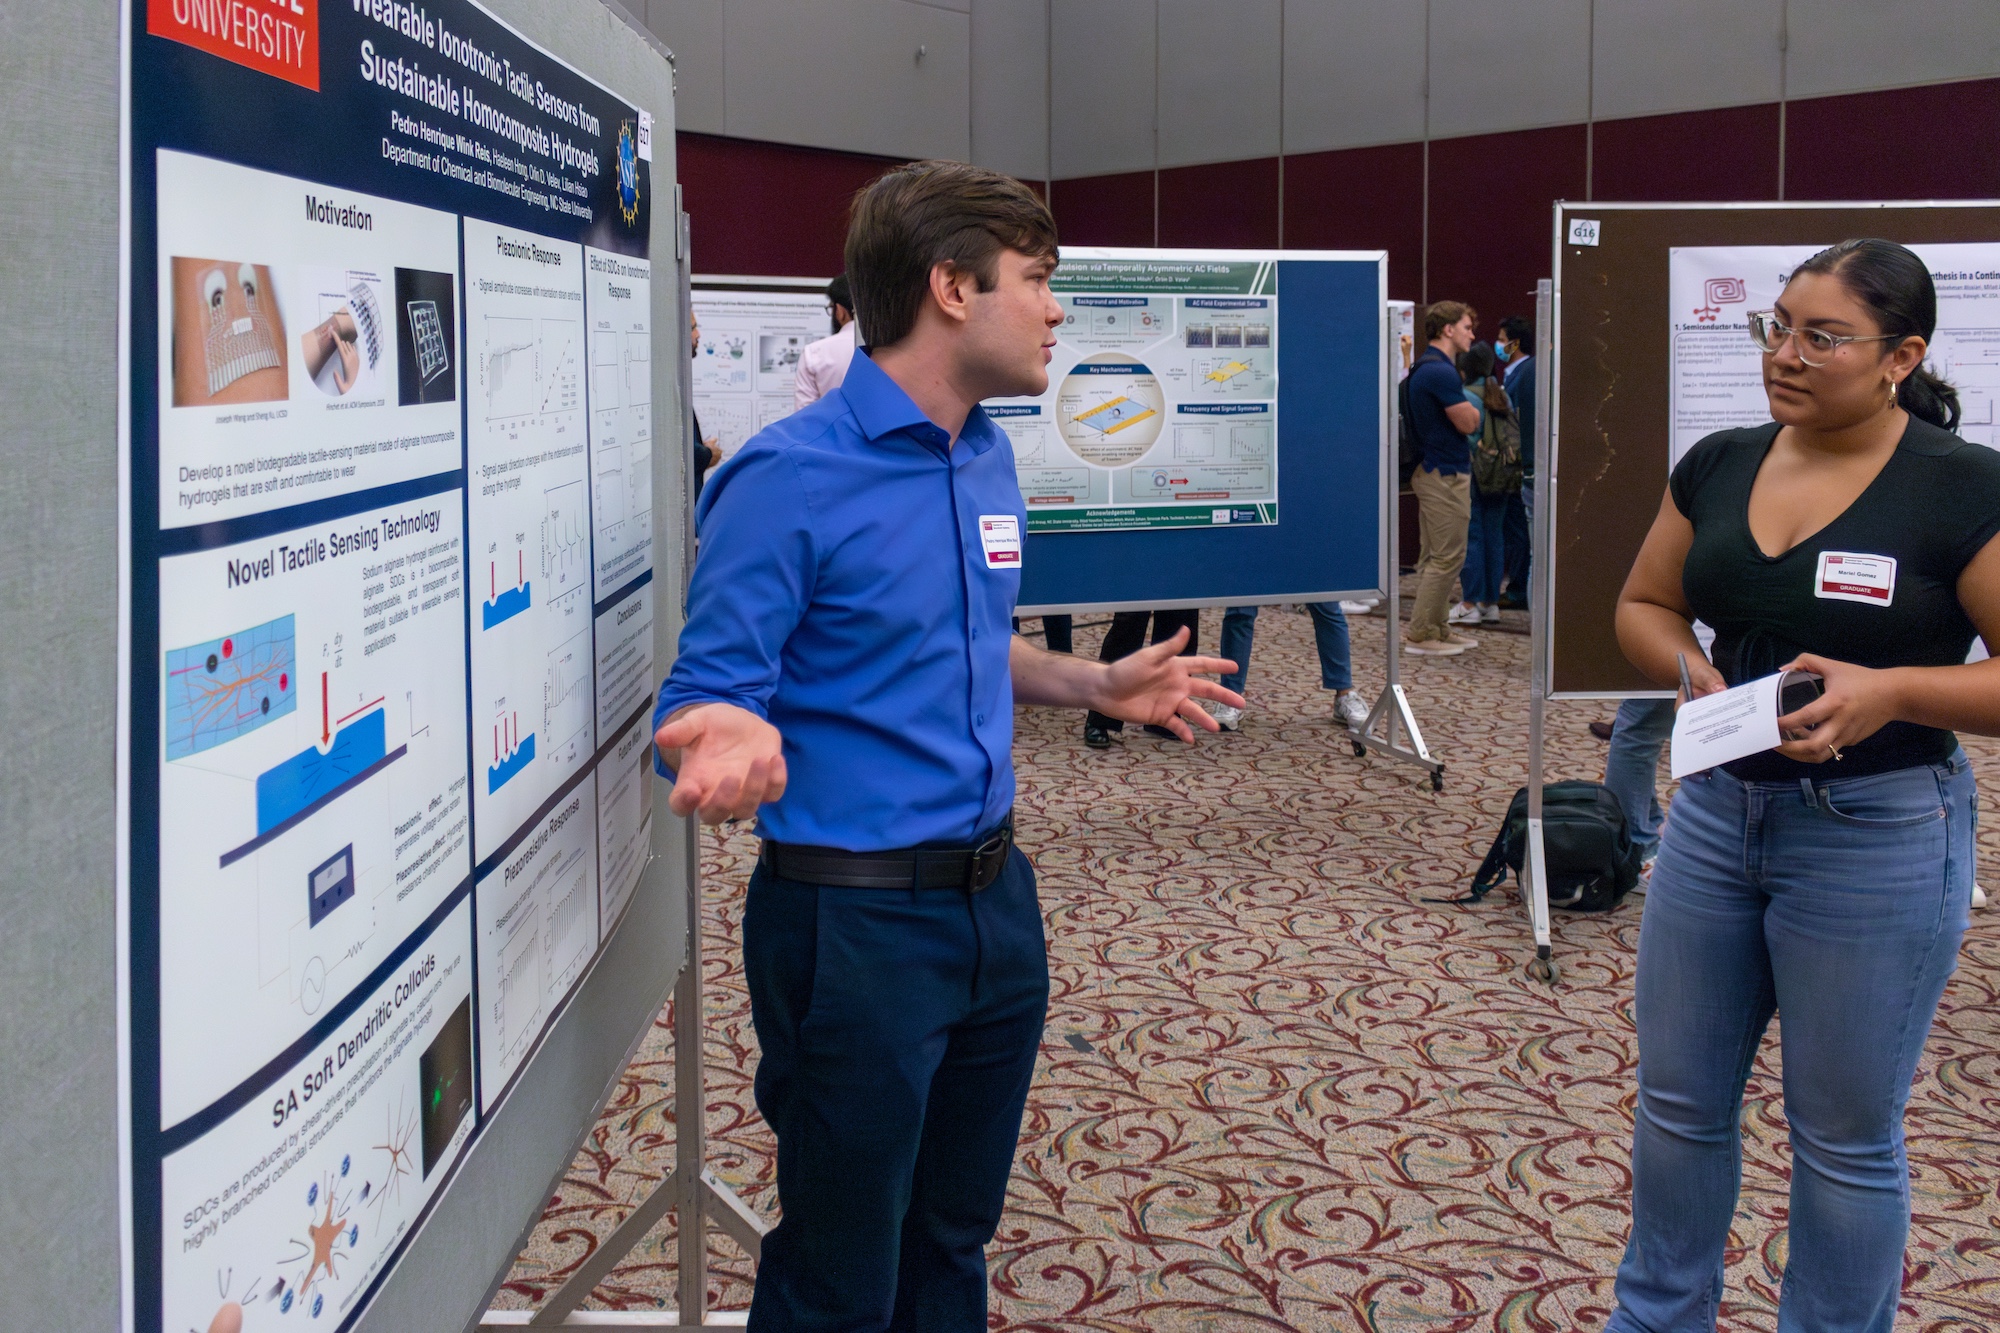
[[1892, 395]]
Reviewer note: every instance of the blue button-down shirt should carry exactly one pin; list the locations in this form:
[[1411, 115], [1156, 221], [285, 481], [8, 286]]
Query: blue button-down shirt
[[845, 594]]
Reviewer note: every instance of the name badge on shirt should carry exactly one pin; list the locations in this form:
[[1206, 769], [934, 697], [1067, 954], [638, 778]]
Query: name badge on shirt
[[1000, 534], [1846, 577]]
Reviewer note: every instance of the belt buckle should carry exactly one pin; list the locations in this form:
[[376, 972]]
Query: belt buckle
[[995, 846]]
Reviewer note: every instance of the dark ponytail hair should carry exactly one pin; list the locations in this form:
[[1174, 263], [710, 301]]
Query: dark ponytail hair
[[1896, 287], [1476, 363]]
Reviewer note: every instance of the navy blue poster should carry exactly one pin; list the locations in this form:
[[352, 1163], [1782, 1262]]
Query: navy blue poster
[[389, 516]]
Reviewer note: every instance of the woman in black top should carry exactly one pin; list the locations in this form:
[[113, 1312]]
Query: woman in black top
[[1829, 878]]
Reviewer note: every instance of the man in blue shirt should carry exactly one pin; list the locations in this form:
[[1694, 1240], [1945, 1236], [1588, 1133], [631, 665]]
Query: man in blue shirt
[[1443, 479], [848, 674]]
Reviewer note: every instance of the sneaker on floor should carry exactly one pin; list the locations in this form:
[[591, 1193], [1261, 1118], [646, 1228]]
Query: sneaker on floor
[[1463, 641], [1360, 608], [1349, 711], [1225, 716], [1978, 896], [1433, 647], [1465, 613], [1489, 614]]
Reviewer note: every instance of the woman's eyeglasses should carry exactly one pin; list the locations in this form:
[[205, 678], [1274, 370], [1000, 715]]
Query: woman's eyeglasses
[[1816, 346]]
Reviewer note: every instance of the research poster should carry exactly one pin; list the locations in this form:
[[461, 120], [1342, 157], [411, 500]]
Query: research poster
[[1162, 405], [747, 359], [1717, 372], [388, 518]]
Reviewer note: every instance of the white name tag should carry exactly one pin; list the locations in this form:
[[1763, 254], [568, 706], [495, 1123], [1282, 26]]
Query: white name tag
[[1845, 577], [1000, 534]]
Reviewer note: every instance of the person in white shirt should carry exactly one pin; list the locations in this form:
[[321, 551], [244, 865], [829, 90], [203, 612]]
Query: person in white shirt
[[823, 365]]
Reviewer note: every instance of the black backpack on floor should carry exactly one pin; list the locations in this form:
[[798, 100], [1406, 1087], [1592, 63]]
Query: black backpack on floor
[[1592, 862]]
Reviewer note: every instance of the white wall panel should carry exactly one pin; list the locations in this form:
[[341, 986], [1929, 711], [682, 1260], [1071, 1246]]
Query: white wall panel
[[1218, 81], [845, 74], [1848, 46], [1661, 56], [693, 31], [1510, 66], [1103, 60], [1354, 75], [1010, 85]]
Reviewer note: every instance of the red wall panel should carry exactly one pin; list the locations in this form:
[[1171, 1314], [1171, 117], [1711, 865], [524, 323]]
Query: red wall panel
[[1939, 142], [1222, 204], [1105, 210], [1490, 216], [767, 209], [1696, 156], [1361, 199]]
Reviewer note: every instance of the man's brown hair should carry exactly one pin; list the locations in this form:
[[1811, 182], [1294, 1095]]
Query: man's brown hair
[[909, 220], [1440, 316]]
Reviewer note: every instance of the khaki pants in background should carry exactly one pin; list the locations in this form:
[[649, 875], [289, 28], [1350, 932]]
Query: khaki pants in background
[[1444, 513]]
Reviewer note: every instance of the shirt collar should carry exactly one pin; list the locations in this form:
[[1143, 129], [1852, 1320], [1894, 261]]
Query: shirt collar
[[881, 408]]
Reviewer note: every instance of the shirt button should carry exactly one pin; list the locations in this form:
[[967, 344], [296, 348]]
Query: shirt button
[[979, 719], [975, 633]]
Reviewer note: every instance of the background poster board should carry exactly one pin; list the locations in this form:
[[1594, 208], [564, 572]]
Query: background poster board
[[389, 322], [1329, 416], [1612, 359], [753, 331]]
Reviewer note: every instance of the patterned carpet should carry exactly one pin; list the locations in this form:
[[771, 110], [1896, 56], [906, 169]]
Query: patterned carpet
[[1279, 1090]]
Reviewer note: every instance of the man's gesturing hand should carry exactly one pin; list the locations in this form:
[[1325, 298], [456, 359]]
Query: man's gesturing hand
[[1154, 685], [729, 761]]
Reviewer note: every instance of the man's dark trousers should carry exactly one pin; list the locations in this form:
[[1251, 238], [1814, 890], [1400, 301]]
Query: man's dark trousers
[[899, 1029], [1128, 634]]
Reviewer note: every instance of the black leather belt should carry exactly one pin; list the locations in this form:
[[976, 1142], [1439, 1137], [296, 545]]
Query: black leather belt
[[969, 869]]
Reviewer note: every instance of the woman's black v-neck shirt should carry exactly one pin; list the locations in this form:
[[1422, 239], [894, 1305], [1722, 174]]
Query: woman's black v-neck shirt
[[1933, 506]]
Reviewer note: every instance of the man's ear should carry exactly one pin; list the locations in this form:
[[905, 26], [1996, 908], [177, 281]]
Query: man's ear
[[952, 289]]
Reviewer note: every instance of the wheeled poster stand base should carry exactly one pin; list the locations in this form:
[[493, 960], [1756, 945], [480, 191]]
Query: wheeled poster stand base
[[1534, 872], [1391, 714], [690, 1191]]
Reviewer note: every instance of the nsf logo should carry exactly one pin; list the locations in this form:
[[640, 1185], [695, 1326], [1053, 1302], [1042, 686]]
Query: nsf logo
[[628, 174]]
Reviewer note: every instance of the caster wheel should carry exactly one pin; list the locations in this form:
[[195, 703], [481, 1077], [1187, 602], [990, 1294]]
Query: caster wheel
[[1360, 750], [1437, 781], [1543, 970]]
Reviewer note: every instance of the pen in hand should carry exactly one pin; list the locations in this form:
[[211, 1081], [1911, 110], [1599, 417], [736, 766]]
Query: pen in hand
[[1687, 685]]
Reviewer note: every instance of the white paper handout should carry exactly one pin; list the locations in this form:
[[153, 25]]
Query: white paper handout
[[1718, 728]]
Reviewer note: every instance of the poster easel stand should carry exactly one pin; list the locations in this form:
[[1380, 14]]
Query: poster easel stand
[[1541, 584], [1391, 714], [690, 1191]]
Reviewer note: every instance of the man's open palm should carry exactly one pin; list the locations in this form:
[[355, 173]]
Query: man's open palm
[[729, 761], [1155, 685]]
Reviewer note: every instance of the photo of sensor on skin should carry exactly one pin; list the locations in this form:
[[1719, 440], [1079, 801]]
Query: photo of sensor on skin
[[342, 351], [229, 334]]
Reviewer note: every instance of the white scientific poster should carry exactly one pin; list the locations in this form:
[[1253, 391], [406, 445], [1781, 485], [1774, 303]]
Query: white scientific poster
[[620, 344], [528, 525], [537, 928], [748, 358], [1717, 372], [299, 322], [313, 809], [294, 1204], [1162, 406], [387, 534]]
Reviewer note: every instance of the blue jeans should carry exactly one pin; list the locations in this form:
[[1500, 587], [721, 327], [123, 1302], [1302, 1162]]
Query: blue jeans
[[898, 1030], [1239, 632], [1632, 768], [1841, 906], [1485, 548]]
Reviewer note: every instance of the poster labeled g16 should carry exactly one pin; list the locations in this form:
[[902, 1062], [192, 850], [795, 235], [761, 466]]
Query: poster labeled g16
[[388, 510]]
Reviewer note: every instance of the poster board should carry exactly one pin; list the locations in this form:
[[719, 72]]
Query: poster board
[[1613, 393], [1215, 431], [753, 331], [394, 903]]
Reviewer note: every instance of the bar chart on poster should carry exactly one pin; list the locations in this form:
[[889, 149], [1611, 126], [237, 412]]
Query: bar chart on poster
[[390, 525]]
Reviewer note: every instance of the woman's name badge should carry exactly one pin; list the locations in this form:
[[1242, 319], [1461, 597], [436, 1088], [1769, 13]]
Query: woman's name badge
[[1000, 534], [1845, 577]]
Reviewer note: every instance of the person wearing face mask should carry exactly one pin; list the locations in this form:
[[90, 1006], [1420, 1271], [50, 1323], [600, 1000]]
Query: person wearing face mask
[[1852, 536]]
